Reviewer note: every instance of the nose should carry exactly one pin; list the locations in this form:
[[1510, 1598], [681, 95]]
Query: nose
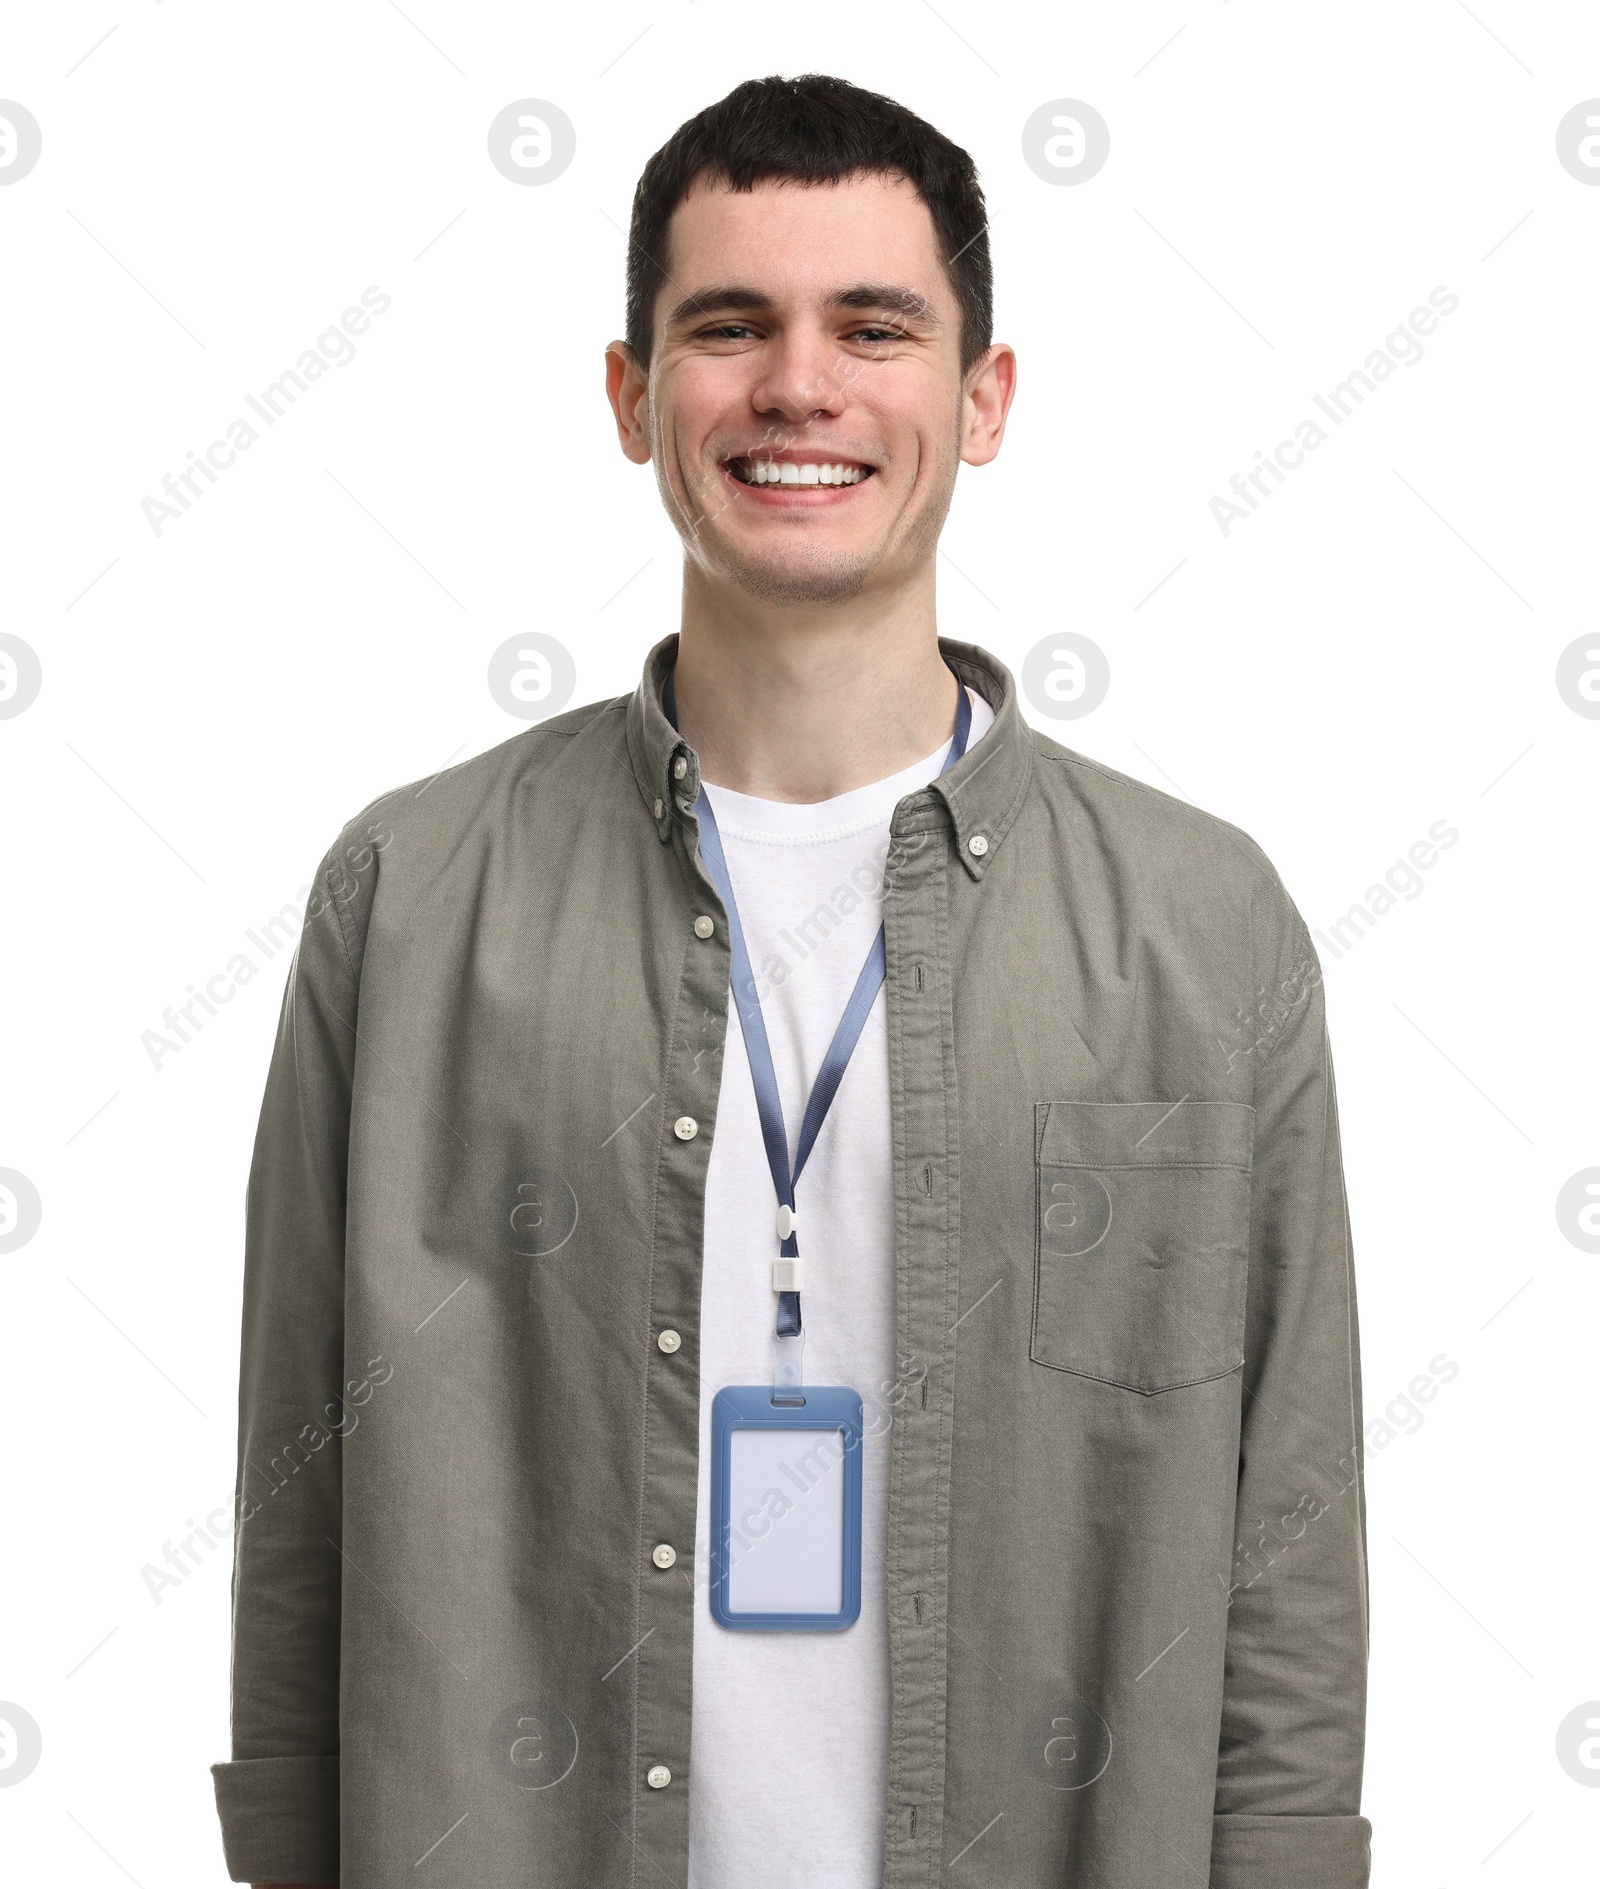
[[801, 378]]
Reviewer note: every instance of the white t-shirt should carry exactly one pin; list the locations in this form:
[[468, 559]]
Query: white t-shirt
[[790, 1751]]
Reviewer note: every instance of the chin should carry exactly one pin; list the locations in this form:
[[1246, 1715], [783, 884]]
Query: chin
[[835, 579]]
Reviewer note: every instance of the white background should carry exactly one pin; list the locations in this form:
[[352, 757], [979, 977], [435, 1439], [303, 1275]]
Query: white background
[[1372, 651]]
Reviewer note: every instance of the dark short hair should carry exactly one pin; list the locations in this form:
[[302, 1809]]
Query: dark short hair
[[816, 130]]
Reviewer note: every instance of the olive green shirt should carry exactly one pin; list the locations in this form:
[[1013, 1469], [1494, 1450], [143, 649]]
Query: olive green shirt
[[1126, 1557]]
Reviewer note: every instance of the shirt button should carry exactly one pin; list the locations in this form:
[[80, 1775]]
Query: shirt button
[[703, 926], [657, 809], [686, 1128], [680, 767], [977, 846], [663, 1554], [668, 1341], [658, 1777]]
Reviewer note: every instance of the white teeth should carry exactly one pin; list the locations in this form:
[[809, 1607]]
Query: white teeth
[[789, 472]]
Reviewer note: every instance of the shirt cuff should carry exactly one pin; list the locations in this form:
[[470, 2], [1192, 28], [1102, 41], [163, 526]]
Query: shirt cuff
[[1310, 1852], [280, 1819]]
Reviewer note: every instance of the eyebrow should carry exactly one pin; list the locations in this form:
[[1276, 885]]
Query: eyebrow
[[867, 296]]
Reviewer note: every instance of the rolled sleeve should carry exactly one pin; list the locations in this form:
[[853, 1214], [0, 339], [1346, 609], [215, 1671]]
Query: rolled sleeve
[[1275, 1852], [280, 1818], [1292, 1734], [278, 1798]]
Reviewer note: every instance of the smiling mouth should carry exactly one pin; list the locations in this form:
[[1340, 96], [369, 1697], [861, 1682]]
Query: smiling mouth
[[759, 471]]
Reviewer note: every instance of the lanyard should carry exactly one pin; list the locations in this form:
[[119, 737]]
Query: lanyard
[[759, 1050]]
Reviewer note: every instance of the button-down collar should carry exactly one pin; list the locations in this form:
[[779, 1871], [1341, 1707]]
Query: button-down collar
[[654, 745], [982, 792]]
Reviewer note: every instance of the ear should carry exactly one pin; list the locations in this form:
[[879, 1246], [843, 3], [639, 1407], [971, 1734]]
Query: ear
[[626, 388], [987, 390]]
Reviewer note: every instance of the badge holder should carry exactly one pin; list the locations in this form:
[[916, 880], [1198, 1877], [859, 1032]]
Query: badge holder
[[786, 1459], [786, 1506]]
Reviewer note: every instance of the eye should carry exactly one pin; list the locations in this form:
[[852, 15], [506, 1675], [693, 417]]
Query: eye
[[878, 334], [728, 331]]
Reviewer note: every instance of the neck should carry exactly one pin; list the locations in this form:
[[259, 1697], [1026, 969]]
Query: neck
[[803, 703]]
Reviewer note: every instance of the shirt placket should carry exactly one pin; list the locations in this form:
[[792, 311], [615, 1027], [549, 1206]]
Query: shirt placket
[[925, 1123], [666, 1574]]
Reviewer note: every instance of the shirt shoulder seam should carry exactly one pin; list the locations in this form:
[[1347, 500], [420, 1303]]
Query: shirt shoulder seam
[[1236, 836]]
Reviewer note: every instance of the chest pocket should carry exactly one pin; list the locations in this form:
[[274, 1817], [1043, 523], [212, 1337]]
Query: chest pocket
[[1143, 1240]]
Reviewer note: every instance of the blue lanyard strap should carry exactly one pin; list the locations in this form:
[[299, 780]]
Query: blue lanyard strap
[[757, 1047]]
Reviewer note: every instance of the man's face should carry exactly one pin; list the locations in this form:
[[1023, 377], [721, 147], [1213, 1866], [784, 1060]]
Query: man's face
[[806, 410]]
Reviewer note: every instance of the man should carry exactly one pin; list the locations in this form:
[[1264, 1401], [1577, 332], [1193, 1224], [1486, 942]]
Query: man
[[1077, 1595]]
